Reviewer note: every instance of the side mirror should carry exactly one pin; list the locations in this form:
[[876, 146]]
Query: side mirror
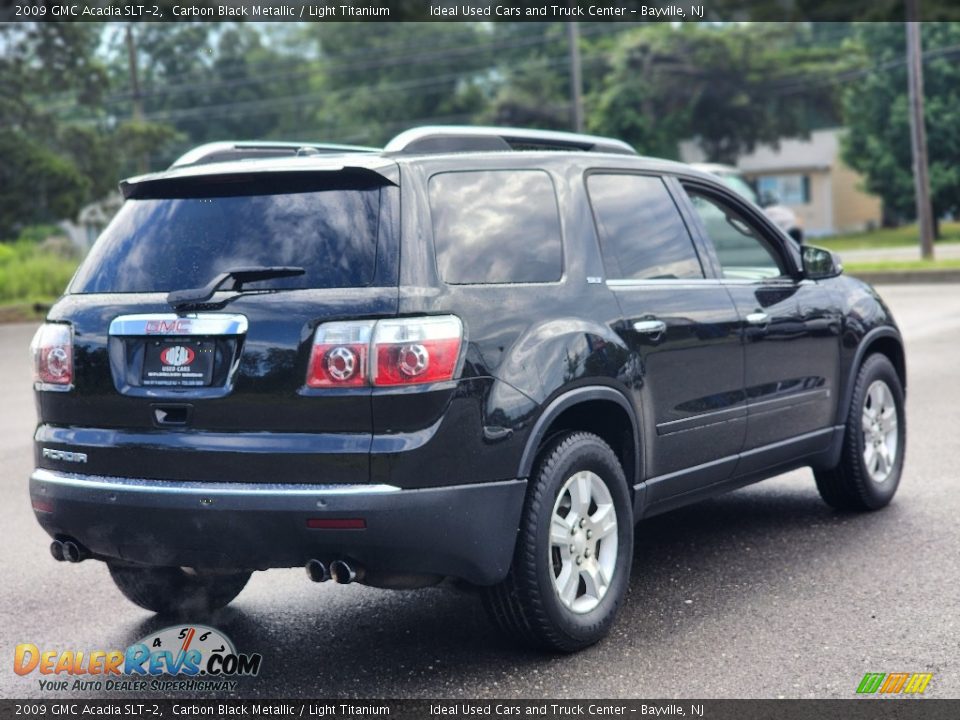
[[820, 263], [768, 198]]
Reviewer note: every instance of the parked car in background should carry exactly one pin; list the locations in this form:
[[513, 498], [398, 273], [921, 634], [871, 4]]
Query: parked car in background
[[782, 216], [479, 353]]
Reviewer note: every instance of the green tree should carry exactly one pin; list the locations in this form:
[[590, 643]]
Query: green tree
[[42, 67], [876, 113], [729, 87], [376, 80]]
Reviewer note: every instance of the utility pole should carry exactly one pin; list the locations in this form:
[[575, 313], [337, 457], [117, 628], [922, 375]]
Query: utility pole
[[918, 131], [142, 164], [576, 76]]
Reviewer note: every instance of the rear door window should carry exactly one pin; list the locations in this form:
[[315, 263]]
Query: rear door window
[[181, 237], [642, 234], [500, 226]]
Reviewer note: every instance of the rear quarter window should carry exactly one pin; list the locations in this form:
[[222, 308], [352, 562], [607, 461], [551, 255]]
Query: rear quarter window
[[500, 226]]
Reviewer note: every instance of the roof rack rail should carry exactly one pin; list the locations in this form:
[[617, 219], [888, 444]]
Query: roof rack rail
[[255, 150], [453, 138]]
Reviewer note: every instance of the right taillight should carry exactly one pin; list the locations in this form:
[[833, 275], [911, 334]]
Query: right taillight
[[52, 349], [403, 351], [409, 351]]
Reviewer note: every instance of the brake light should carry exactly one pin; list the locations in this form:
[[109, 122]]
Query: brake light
[[340, 355], [52, 349], [403, 351], [416, 350]]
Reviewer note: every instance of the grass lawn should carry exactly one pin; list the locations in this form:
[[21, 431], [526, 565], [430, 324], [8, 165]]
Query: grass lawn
[[898, 265], [25, 310], [886, 237]]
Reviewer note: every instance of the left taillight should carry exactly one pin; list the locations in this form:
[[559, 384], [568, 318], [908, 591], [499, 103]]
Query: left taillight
[[340, 355], [52, 349]]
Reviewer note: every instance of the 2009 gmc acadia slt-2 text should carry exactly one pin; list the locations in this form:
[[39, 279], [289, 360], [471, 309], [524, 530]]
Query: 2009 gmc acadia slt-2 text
[[479, 353]]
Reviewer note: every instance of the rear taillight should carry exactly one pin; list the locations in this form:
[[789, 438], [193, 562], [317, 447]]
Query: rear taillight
[[340, 354], [52, 349], [404, 351], [416, 350]]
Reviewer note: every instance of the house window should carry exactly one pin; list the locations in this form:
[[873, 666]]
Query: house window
[[790, 189]]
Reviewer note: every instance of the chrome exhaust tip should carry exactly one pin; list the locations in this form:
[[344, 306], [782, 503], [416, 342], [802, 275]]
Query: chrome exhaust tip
[[72, 552], [317, 571], [56, 549], [342, 572]]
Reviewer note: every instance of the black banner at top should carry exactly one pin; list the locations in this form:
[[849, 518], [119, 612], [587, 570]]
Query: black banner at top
[[469, 10]]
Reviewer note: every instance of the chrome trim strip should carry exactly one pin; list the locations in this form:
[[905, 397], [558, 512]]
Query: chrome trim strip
[[97, 482], [173, 324], [698, 282], [50, 387]]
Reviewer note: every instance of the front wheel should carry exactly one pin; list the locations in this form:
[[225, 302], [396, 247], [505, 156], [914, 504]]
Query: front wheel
[[171, 590], [874, 441], [571, 567]]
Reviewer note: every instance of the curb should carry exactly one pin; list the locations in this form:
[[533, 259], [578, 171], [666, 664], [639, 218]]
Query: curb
[[907, 277]]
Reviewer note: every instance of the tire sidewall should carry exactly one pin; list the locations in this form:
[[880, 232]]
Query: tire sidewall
[[591, 454], [875, 494]]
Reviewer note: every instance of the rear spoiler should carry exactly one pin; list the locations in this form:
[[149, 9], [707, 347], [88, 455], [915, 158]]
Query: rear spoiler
[[260, 181]]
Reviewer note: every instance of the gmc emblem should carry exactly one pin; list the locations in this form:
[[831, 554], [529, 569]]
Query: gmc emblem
[[179, 326]]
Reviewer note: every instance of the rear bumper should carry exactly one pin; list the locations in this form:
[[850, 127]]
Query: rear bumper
[[464, 531]]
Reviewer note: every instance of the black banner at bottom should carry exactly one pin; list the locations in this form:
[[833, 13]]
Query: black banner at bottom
[[854, 709]]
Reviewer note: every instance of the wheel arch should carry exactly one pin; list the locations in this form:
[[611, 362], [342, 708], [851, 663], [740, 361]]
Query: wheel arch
[[884, 341], [598, 409]]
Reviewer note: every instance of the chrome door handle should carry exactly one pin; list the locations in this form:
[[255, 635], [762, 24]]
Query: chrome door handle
[[758, 318], [650, 327]]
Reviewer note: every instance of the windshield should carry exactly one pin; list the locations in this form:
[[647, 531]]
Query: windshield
[[159, 244]]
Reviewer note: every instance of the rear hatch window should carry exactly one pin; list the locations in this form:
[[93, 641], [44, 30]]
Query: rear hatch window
[[176, 235]]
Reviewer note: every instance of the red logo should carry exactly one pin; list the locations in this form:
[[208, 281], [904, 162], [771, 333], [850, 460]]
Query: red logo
[[177, 355]]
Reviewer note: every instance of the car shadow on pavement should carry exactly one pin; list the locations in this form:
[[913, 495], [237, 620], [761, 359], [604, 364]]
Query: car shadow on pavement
[[715, 558]]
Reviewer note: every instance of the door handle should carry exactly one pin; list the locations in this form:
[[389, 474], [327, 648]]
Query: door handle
[[758, 318], [650, 327]]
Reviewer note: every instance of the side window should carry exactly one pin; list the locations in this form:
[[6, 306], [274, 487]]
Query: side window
[[500, 226], [743, 252], [642, 235]]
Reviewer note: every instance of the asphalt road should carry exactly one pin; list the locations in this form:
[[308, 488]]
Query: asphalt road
[[764, 592]]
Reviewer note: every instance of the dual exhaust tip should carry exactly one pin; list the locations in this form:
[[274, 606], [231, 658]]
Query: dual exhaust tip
[[341, 572], [68, 551]]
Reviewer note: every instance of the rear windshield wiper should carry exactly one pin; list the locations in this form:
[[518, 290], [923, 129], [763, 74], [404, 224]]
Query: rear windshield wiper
[[186, 299]]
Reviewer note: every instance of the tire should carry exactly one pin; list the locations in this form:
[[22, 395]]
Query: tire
[[871, 461], [575, 470], [173, 590]]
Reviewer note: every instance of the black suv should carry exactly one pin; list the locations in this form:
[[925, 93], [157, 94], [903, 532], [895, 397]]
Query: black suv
[[479, 353]]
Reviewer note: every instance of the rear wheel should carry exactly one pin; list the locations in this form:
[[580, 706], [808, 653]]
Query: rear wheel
[[170, 590], [868, 474], [572, 562]]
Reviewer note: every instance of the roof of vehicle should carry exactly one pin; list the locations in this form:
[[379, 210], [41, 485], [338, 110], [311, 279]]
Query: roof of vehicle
[[465, 144]]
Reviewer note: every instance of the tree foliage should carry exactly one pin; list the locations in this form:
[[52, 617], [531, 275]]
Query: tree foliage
[[730, 88], [877, 115], [73, 123]]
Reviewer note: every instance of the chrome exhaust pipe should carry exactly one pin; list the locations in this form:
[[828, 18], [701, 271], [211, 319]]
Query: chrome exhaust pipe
[[343, 572], [73, 551], [317, 571], [56, 549]]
